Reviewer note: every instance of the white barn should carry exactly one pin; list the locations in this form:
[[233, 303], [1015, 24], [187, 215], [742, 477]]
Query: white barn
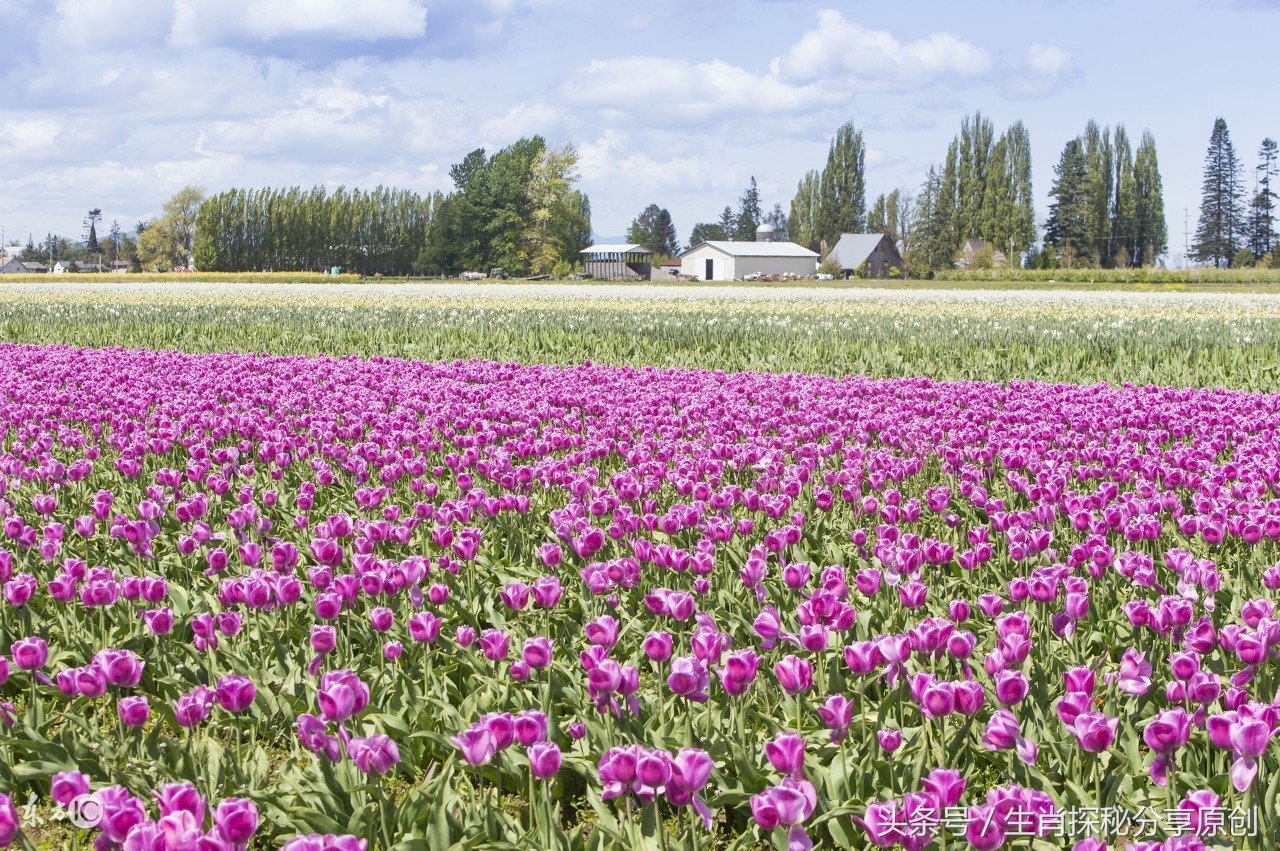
[[734, 261]]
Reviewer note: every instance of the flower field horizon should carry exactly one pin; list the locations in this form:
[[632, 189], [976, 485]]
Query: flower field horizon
[[345, 602], [1184, 339]]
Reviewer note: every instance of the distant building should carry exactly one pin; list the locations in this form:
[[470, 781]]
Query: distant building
[[618, 262], [725, 260], [61, 267], [120, 266], [971, 255], [875, 250], [18, 267]]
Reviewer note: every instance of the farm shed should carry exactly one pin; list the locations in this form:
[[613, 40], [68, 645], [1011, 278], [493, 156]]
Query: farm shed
[[732, 261], [874, 249], [618, 262]]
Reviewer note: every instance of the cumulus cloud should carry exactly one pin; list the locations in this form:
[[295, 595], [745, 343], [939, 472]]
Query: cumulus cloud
[[838, 49], [201, 22], [686, 89], [1045, 70]]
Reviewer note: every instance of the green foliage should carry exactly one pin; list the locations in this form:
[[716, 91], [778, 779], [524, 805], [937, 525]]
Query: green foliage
[[1068, 226], [516, 210], [983, 191], [947, 335], [297, 230], [842, 188], [749, 215], [703, 232], [168, 241], [802, 222], [654, 229], [831, 265], [1220, 229]]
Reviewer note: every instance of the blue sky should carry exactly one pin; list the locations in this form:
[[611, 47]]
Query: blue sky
[[118, 103]]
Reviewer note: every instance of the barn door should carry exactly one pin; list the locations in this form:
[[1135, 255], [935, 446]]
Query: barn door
[[711, 270]]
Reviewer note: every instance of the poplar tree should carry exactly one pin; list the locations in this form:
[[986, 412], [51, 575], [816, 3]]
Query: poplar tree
[[1150, 231], [842, 192], [802, 222]]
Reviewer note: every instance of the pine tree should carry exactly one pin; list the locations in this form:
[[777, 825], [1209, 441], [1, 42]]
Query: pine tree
[[778, 220], [749, 214], [1068, 225], [728, 223], [1219, 230], [654, 230], [1262, 230]]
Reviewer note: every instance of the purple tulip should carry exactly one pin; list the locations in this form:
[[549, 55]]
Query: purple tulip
[[133, 710], [180, 798], [236, 819], [795, 675], [786, 755], [235, 693], [544, 760], [689, 678], [68, 785], [890, 740], [8, 820], [341, 695], [1094, 731], [657, 646], [786, 805], [530, 727], [537, 653], [376, 754], [119, 812], [495, 644], [29, 654], [837, 714]]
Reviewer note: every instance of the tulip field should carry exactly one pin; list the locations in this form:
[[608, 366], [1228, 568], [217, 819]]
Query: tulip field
[[260, 596]]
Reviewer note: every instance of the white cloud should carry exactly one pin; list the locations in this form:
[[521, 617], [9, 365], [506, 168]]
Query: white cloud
[[1046, 69], [685, 89], [869, 59], [198, 22]]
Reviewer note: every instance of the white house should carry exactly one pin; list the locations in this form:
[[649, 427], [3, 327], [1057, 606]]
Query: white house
[[718, 260]]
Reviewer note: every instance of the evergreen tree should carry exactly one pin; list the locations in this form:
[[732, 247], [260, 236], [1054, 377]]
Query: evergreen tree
[[704, 232], [1068, 225], [91, 220], [654, 230], [116, 240], [728, 223], [749, 214], [778, 220], [1219, 230], [1262, 230]]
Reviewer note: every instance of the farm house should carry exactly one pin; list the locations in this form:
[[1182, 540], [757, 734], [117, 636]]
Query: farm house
[[618, 262], [718, 260], [876, 250]]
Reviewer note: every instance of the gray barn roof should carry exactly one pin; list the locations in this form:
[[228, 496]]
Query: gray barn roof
[[854, 248]]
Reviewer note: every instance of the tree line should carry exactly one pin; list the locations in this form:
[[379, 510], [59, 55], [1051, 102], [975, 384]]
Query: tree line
[[294, 229]]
